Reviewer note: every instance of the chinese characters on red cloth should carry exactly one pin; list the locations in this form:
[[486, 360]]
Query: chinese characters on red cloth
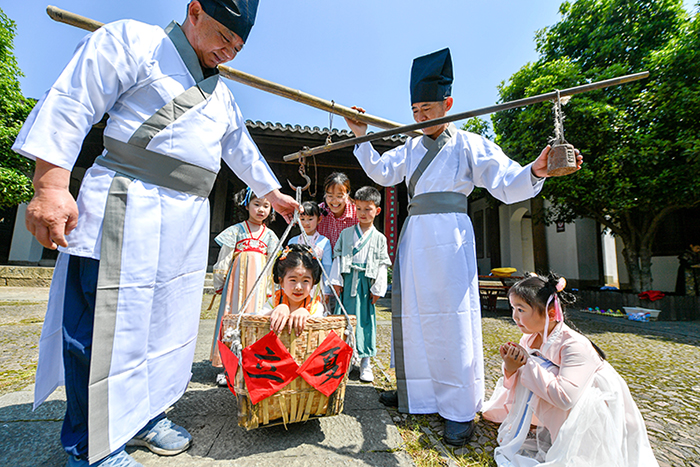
[[268, 366], [326, 367]]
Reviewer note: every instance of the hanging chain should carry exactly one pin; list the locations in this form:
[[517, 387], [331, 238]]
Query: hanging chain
[[559, 118], [313, 194], [330, 123], [558, 121]]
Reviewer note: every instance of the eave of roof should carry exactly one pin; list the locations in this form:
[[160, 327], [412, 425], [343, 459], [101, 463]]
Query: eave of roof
[[278, 128]]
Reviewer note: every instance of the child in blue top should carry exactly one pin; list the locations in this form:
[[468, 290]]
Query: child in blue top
[[359, 274], [320, 245]]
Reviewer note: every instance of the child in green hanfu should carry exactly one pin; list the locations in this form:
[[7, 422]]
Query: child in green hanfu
[[359, 274]]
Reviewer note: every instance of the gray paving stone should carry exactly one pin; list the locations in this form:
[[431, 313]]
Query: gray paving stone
[[363, 435]]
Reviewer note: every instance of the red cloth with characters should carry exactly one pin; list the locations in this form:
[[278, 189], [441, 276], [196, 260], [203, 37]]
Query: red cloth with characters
[[267, 367], [230, 362], [326, 367]]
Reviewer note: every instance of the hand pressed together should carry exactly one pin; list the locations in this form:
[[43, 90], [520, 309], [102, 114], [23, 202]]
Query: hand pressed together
[[514, 356]]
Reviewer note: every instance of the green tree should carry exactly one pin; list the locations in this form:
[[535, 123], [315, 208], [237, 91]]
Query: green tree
[[15, 170], [479, 126], [640, 141]]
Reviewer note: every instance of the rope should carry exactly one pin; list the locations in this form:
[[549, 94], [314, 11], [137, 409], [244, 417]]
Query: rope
[[349, 330], [234, 335], [559, 118], [330, 123]]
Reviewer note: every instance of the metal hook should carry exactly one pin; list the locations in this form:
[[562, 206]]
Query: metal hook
[[308, 183], [302, 172]]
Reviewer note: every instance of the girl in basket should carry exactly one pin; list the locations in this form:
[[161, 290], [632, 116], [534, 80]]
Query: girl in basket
[[320, 245], [243, 254], [559, 381], [338, 209], [296, 271]]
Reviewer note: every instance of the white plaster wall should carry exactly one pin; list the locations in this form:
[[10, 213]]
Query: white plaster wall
[[587, 249], [610, 269], [664, 271], [621, 267], [484, 264], [527, 247], [510, 217], [504, 214], [562, 250], [24, 247]]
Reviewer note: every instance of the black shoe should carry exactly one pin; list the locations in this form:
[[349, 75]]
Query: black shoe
[[389, 398], [458, 433]]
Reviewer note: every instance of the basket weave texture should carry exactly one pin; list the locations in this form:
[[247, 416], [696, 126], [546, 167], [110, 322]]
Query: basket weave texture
[[298, 401]]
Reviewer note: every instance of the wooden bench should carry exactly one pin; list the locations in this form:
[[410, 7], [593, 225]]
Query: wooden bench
[[492, 287]]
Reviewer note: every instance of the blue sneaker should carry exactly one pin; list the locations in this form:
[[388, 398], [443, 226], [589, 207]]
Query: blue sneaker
[[119, 459], [164, 438]]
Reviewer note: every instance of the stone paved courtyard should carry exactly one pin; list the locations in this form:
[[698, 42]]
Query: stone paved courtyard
[[659, 361]]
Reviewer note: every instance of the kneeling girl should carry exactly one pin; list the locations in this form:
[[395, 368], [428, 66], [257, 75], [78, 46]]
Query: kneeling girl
[[559, 381]]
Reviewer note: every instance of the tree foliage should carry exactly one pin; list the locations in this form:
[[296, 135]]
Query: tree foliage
[[640, 141], [15, 170], [479, 126]]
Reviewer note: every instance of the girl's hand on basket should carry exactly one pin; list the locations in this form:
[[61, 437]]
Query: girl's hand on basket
[[279, 317], [297, 320]]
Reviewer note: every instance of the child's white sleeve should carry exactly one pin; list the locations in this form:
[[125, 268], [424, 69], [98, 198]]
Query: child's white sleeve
[[336, 277], [223, 263], [316, 309], [380, 283], [266, 307], [562, 390], [327, 262]]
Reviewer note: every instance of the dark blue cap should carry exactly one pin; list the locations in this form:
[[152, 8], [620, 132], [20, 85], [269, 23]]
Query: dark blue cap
[[237, 15], [431, 77]]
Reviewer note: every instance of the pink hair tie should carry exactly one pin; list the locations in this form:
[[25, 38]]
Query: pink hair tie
[[558, 313], [561, 284]]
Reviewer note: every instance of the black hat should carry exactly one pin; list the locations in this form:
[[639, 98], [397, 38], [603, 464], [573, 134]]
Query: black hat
[[431, 77], [237, 15]]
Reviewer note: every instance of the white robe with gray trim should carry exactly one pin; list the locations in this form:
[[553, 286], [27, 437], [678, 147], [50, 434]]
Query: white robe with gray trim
[[130, 70], [440, 316]]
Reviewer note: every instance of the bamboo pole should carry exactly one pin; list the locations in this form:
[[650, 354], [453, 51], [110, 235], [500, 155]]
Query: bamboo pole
[[469, 114], [63, 16]]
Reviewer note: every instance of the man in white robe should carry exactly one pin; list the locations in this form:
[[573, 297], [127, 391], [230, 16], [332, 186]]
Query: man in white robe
[[436, 318], [125, 299]]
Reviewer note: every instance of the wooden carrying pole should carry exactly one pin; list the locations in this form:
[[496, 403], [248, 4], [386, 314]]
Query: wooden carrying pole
[[63, 16], [471, 113]]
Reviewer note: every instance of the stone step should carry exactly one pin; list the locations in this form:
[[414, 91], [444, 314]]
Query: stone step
[[25, 276], [37, 276]]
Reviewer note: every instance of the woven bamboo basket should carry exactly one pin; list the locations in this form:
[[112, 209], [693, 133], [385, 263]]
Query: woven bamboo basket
[[298, 401]]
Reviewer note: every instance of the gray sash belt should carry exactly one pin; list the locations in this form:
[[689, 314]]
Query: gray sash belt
[[129, 162], [155, 168], [439, 202], [426, 203], [133, 161]]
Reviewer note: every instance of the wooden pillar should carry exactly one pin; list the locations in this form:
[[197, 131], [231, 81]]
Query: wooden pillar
[[391, 211], [539, 235], [493, 233]]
